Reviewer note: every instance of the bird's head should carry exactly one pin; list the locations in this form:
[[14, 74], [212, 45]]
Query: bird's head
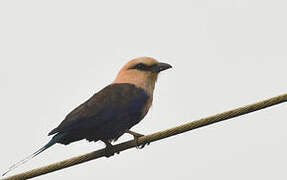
[[142, 72]]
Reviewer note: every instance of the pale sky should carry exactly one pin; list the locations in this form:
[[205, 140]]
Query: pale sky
[[55, 54]]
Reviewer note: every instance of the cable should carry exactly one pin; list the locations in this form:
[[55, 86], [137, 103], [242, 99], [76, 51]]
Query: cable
[[151, 138]]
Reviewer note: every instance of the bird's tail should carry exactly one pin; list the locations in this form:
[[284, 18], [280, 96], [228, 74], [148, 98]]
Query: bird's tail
[[53, 141]]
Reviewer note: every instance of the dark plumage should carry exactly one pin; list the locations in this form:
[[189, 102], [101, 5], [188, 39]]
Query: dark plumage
[[105, 116]]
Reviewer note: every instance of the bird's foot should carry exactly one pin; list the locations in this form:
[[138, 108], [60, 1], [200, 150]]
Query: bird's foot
[[108, 149], [136, 137]]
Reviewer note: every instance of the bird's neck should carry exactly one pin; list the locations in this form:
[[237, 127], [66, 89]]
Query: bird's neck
[[147, 83]]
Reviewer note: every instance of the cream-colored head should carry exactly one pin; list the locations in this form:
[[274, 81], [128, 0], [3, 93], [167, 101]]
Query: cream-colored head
[[141, 72]]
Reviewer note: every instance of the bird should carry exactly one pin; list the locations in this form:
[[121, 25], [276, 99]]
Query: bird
[[112, 111]]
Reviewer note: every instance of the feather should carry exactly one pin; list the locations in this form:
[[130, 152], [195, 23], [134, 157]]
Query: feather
[[106, 115], [53, 141]]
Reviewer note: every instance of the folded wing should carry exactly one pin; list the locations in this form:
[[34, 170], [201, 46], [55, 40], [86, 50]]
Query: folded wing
[[107, 114]]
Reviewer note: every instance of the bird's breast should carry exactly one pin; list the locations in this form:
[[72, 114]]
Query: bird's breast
[[146, 107]]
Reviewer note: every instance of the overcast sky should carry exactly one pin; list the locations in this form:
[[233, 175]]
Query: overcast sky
[[226, 53]]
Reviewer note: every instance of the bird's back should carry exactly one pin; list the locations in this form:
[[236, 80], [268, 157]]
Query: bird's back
[[106, 115]]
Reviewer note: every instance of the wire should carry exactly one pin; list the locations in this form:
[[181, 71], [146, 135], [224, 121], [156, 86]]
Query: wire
[[151, 138]]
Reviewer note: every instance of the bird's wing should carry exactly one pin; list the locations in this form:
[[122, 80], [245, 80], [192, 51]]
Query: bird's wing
[[113, 101]]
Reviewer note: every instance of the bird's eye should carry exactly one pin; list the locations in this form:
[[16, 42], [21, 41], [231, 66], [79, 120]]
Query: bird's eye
[[140, 66]]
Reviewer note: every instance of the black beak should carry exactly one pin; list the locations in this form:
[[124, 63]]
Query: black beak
[[161, 67]]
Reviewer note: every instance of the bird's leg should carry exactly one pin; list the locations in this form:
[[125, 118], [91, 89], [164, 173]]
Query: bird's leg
[[108, 151], [136, 136]]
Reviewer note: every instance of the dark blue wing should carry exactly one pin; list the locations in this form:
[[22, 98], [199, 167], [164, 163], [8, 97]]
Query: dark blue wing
[[111, 110]]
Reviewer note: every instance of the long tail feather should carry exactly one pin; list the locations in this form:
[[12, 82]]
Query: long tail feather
[[53, 141]]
